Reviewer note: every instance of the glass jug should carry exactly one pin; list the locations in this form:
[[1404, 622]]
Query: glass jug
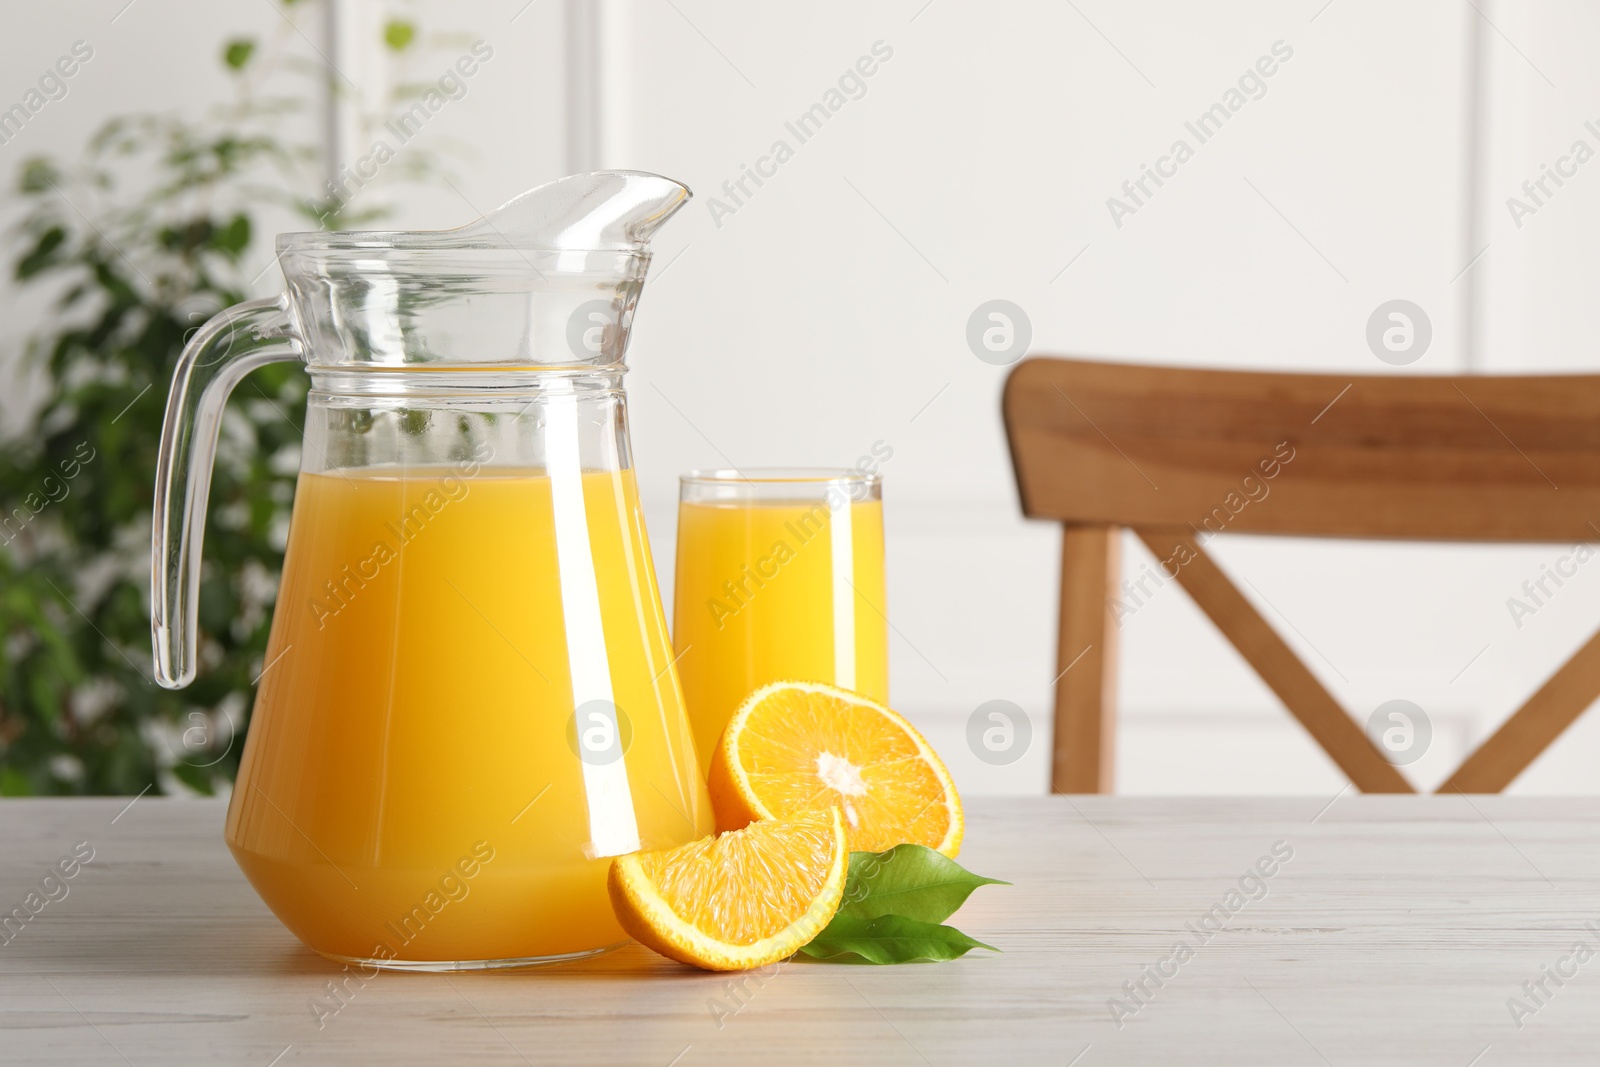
[[468, 701]]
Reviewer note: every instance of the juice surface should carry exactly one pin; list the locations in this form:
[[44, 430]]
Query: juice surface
[[768, 592], [411, 786]]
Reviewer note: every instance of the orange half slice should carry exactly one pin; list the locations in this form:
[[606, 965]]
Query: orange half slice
[[740, 900], [795, 748]]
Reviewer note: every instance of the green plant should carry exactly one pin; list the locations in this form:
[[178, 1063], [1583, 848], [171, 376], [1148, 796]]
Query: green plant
[[138, 244]]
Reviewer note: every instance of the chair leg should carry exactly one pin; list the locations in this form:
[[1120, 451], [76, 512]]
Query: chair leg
[[1086, 656], [1533, 727]]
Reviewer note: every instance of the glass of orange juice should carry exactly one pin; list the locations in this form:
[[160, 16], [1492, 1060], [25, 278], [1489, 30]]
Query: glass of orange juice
[[779, 577]]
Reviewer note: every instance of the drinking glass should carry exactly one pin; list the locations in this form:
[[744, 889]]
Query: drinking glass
[[779, 578]]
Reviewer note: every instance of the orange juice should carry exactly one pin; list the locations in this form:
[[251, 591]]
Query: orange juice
[[425, 791], [773, 590]]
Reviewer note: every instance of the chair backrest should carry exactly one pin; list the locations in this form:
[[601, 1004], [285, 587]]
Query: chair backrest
[[1182, 455], [1433, 457]]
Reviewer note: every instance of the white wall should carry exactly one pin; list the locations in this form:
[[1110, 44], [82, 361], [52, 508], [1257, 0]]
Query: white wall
[[829, 311]]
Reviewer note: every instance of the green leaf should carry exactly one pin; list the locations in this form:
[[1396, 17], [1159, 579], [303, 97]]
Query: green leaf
[[233, 237], [238, 52], [890, 939], [398, 34], [38, 175], [912, 881], [42, 254], [196, 778], [13, 783]]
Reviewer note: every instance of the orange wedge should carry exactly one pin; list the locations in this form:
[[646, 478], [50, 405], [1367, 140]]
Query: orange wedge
[[743, 899], [799, 747]]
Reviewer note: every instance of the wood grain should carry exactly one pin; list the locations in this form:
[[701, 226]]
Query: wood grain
[[1086, 661], [1474, 458], [1394, 935]]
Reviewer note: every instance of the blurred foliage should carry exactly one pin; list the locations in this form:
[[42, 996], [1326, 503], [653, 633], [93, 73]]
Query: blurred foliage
[[398, 34], [133, 248]]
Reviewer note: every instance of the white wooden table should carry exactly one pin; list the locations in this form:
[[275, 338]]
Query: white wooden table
[[1396, 934]]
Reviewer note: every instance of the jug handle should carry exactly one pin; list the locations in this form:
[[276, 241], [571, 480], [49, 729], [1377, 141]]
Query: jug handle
[[229, 346]]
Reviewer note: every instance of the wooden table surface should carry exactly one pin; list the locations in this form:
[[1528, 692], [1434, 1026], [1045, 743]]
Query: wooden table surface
[[1398, 932]]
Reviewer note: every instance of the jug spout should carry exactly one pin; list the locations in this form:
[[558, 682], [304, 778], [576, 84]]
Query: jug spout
[[548, 279], [602, 211], [608, 210]]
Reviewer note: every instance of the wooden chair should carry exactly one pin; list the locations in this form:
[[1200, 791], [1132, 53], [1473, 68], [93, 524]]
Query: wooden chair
[[1178, 455]]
